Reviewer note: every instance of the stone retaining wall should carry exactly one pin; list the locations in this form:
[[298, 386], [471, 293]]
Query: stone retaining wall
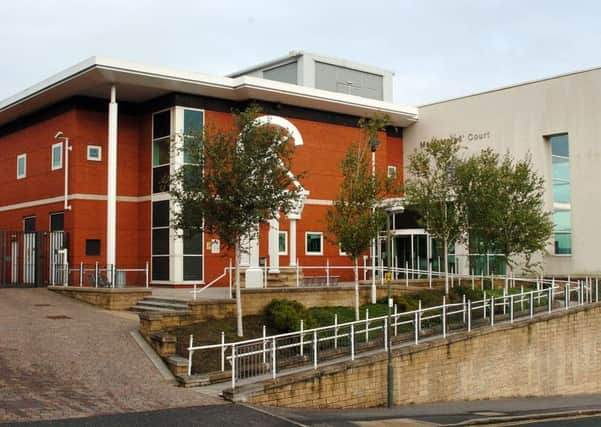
[[554, 354], [108, 298]]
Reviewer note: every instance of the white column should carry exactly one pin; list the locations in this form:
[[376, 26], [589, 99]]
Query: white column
[[292, 243], [254, 273], [111, 203], [274, 244], [293, 216]]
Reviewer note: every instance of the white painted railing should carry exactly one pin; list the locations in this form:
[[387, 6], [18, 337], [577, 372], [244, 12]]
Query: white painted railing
[[270, 356], [329, 275], [97, 275]]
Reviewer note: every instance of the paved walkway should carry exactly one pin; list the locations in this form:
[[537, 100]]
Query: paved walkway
[[61, 358]]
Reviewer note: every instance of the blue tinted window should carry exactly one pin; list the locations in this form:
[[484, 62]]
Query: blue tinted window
[[192, 122], [560, 175], [559, 145]]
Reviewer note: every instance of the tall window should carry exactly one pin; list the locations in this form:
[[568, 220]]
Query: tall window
[[161, 150], [57, 156], [562, 206], [193, 240], [160, 240], [21, 166]]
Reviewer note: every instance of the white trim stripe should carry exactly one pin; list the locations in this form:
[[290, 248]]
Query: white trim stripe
[[60, 199], [102, 198], [319, 202]]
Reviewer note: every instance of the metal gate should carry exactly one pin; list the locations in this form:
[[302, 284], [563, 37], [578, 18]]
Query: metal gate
[[31, 259]]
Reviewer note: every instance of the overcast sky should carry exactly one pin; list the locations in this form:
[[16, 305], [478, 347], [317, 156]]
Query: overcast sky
[[438, 49]]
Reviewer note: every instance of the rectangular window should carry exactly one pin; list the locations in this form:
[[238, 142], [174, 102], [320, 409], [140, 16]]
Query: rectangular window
[[21, 166], [161, 150], [391, 171], [57, 156], [29, 224], [562, 200], [95, 153], [193, 126], [57, 221], [92, 247], [160, 240], [283, 243], [313, 243]]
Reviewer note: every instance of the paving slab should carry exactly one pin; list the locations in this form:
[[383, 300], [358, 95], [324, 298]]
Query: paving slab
[[62, 358]]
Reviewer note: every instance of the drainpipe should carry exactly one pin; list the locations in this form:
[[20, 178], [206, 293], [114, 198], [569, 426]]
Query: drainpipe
[[68, 148], [111, 203]]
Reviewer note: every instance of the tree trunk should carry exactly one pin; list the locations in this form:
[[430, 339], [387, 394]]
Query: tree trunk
[[446, 266], [356, 270], [238, 298]]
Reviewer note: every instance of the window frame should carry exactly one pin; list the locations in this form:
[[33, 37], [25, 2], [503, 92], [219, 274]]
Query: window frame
[[52, 158], [560, 206], [393, 168], [94, 159], [285, 251], [24, 158], [320, 253]]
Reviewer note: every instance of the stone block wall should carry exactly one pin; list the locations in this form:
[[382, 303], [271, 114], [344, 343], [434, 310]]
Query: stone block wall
[[108, 298], [554, 354]]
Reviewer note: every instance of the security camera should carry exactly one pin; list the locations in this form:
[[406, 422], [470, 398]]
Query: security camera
[[58, 135]]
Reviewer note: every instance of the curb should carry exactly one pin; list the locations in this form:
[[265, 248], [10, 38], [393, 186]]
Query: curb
[[540, 416]]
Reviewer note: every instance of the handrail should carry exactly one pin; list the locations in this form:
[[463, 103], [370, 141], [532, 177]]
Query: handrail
[[243, 353]]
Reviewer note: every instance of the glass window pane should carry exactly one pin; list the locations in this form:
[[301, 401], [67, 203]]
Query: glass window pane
[[161, 124], [559, 145], [313, 243], [160, 213], [92, 247], [160, 179], [561, 168], [29, 224], [563, 221], [192, 175], [160, 268], [192, 268], [192, 122], [563, 244], [561, 192], [192, 242], [160, 241], [21, 166], [57, 156], [282, 244], [57, 222], [161, 152]]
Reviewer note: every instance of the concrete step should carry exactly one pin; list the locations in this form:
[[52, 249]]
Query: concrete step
[[142, 307], [173, 304], [166, 300], [160, 304]]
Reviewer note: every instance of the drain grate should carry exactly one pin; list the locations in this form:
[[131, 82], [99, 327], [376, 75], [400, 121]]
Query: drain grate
[[42, 305], [58, 317]]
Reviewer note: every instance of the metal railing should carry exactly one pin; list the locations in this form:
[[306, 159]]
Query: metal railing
[[100, 276], [270, 356], [330, 275]]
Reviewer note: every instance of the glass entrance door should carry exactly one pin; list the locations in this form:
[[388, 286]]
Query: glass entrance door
[[411, 250]]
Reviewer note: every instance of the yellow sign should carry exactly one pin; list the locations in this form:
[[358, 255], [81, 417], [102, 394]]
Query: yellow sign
[[388, 276]]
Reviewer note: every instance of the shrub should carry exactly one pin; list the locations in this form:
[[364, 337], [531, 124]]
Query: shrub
[[285, 316], [475, 294]]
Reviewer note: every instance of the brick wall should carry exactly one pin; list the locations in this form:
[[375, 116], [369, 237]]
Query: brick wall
[[558, 354]]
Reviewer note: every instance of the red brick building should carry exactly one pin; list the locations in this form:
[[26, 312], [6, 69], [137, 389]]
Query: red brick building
[[118, 120]]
